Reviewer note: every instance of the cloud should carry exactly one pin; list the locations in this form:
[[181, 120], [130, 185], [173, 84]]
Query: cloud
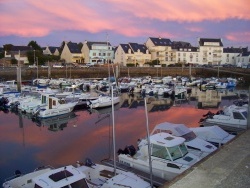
[[239, 36]]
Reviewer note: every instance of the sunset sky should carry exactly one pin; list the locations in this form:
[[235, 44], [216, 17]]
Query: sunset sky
[[122, 21]]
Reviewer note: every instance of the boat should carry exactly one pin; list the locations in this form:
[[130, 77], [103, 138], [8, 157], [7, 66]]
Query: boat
[[213, 134], [195, 145], [103, 101], [231, 118], [98, 175], [169, 155], [67, 176], [81, 98], [54, 107], [57, 123]]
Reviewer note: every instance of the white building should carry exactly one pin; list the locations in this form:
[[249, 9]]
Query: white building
[[132, 53], [51, 50], [210, 51], [97, 52]]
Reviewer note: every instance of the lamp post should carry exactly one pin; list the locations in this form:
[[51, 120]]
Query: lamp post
[[37, 67], [34, 57]]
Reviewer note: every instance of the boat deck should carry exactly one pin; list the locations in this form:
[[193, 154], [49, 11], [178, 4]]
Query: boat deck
[[155, 180]]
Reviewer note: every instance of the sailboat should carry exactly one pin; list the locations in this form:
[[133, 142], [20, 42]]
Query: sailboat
[[99, 175]]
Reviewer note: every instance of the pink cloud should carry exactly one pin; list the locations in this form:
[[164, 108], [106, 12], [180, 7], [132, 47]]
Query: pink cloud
[[238, 36]]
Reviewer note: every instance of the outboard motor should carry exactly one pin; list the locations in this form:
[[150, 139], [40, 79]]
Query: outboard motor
[[88, 162]]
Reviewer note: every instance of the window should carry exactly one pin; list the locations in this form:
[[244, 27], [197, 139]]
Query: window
[[238, 115], [94, 54], [160, 152]]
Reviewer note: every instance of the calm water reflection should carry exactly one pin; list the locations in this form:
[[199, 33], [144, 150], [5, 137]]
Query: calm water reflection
[[25, 144]]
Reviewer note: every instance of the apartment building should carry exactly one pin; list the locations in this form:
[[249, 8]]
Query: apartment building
[[97, 52], [132, 53]]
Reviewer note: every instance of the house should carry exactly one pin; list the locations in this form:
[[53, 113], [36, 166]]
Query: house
[[185, 53], [71, 53], [97, 52], [229, 55], [19, 53], [132, 53], [210, 51], [51, 50], [160, 49], [243, 58]]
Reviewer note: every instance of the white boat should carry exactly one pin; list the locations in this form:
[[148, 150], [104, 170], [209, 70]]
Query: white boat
[[81, 98], [195, 145], [213, 134], [67, 176], [169, 156], [54, 107], [103, 101], [98, 175], [231, 118]]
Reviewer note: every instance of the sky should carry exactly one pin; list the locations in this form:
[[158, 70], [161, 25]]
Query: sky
[[49, 23]]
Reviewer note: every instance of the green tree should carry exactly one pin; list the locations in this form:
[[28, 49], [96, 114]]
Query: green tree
[[7, 47], [34, 45], [13, 61]]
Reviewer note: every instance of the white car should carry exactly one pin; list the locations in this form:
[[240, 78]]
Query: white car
[[32, 66], [58, 66], [44, 66]]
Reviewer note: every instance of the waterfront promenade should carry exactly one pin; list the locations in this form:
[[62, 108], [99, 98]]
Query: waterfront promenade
[[228, 167]]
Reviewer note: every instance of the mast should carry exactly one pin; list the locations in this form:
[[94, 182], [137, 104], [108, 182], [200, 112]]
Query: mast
[[149, 145], [113, 123]]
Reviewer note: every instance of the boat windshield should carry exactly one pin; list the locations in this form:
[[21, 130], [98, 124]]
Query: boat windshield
[[245, 114], [189, 136], [176, 152]]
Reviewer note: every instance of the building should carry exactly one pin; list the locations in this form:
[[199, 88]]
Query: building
[[185, 53], [243, 59], [19, 53], [210, 51], [161, 50], [51, 50], [71, 53], [97, 52], [132, 53]]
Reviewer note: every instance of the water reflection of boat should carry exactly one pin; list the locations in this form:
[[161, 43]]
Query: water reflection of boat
[[56, 123]]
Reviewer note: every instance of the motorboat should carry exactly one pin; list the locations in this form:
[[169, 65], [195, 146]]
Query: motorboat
[[81, 98], [103, 101], [98, 175], [67, 176], [231, 118], [213, 134], [57, 123], [54, 107], [195, 145], [169, 155]]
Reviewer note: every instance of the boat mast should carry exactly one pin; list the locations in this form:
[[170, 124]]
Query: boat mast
[[113, 123], [149, 145]]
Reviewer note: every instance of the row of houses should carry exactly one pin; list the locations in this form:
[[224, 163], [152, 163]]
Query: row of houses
[[210, 51]]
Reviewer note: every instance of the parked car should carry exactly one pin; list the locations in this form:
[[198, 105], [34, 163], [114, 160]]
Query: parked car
[[44, 66], [58, 66], [32, 66]]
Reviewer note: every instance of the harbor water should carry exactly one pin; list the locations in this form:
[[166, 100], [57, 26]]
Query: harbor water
[[27, 144]]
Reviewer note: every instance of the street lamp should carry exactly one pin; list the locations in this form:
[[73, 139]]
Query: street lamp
[[34, 57]]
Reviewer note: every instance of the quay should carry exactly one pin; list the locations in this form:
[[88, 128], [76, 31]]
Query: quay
[[228, 167]]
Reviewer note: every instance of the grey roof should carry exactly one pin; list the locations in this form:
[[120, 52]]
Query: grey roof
[[161, 41], [73, 47], [52, 49], [203, 40], [180, 44], [135, 47], [234, 50], [20, 48], [89, 44], [126, 47]]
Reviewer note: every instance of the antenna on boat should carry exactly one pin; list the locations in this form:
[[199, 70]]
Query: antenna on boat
[[149, 145], [113, 123]]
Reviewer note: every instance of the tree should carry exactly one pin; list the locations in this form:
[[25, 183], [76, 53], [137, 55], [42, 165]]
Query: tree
[[13, 61], [7, 47], [34, 45]]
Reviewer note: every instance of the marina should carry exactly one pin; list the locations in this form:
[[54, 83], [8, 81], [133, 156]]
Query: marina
[[86, 132]]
